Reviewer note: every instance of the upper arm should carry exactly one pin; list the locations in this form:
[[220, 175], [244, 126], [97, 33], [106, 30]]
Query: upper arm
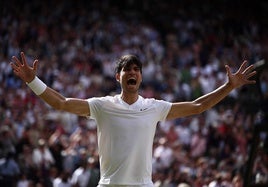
[[59, 102], [76, 106], [183, 109]]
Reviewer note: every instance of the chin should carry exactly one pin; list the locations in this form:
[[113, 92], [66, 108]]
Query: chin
[[132, 88]]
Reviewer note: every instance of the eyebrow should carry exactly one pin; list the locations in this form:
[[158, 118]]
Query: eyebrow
[[135, 66]]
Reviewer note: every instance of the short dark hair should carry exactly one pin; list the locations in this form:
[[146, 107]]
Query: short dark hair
[[127, 60]]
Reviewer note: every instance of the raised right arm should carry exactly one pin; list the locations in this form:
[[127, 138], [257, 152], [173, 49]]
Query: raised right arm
[[47, 94]]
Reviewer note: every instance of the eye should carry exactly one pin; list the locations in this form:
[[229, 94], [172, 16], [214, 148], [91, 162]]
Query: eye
[[126, 69], [129, 68], [136, 69]]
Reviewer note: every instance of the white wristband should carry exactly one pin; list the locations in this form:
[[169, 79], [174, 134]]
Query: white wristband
[[37, 86]]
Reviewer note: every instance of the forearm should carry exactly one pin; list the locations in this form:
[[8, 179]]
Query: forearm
[[58, 101], [53, 98], [201, 104], [50, 96], [209, 100]]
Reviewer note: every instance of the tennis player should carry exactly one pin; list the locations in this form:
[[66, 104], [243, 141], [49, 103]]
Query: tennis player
[[126, 122]]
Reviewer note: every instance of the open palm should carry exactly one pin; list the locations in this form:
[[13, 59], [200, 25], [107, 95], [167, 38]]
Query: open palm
[[22, 69], [242, 76]]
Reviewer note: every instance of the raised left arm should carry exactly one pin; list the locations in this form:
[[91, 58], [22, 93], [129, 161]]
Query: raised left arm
[[205, 102]]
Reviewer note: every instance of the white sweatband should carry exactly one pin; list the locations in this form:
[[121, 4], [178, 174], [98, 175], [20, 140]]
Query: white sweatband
[[37, 86]]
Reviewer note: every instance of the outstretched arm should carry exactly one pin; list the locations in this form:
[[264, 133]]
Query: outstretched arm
[[205, 102], [50, 96]]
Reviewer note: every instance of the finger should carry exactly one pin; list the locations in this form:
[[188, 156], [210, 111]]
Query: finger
[[35, 65], [242, 67], [248, 69], [23, 59], [16, 61], [251, 74], [228, 69], [251, 82], [13, 65]]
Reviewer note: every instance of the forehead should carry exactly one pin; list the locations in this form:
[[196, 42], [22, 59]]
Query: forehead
[[130, 65]]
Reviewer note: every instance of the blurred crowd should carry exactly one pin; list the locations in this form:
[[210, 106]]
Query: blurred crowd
[[184, 48]]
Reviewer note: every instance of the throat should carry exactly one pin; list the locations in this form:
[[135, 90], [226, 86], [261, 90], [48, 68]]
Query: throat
[[129, 99]]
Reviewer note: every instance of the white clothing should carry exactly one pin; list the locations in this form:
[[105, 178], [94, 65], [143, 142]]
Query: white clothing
[[165, 154], [59, 183], [56, 182], [40, 157], [214, 184], [23, 183], [125, 135], [146, 185], [81, 177]]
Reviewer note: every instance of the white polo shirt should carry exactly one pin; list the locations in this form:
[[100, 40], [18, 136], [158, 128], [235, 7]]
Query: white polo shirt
[[125, 137]]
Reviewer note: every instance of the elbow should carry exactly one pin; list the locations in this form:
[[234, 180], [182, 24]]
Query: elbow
[[199, 108], [59, 105]]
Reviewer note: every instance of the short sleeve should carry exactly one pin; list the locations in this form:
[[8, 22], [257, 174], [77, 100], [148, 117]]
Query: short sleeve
[[163, 108]]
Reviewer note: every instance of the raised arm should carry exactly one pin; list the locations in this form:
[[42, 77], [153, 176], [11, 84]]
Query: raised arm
[[205, 102], [50, 96]]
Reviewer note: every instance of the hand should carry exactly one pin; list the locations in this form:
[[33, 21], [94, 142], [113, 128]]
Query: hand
[[242, 76], [22, 69]]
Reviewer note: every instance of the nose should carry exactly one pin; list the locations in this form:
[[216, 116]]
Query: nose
[[132, 70]]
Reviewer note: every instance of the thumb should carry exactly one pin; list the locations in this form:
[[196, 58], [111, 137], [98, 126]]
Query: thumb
[[35, 65], [228, 71]]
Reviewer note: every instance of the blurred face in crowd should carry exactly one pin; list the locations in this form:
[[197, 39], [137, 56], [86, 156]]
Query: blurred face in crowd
[[237, 181]]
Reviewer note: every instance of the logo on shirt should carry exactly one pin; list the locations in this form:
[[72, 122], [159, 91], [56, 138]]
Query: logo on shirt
[[142, 109]]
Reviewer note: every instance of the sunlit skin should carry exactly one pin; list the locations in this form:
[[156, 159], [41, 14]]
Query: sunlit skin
[[129, 76], [130, 92]]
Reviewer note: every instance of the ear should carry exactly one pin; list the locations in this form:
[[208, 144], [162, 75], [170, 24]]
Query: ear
[[117, 77]]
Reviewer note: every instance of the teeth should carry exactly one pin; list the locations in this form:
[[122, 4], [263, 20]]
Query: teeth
[[131, 79]]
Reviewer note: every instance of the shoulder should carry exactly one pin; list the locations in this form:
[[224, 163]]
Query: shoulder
[[102, 99], [156, 104], [154, 101]]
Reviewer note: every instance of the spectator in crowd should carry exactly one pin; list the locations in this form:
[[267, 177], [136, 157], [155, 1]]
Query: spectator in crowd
[[237, 181], [9, 171], [42, 157], [86, 175], [23, 181], [63, 180], [164, 153], [25, 161], [198, 144], [183, 185]]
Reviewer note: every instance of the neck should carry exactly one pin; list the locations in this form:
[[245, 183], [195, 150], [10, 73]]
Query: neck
[[129, 98]]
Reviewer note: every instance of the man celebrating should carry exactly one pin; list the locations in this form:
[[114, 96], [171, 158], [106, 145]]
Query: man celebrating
[[126, 122]]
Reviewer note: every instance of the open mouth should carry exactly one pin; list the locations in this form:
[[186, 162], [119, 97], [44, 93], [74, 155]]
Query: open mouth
[[131, 81]]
